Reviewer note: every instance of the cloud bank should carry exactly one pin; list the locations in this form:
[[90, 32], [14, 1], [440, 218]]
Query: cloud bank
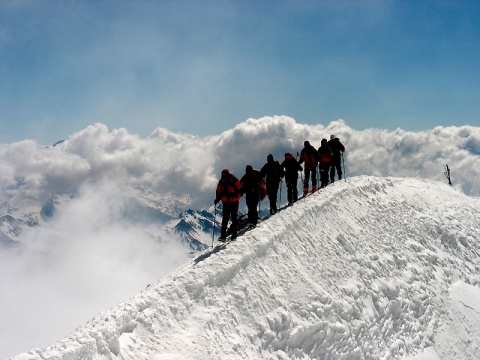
[[189, 165]]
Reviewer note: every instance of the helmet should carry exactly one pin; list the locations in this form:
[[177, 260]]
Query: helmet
[[332, 137], [270, 157]]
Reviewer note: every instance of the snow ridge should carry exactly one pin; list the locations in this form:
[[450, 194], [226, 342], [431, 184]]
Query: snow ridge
[[372, 268]]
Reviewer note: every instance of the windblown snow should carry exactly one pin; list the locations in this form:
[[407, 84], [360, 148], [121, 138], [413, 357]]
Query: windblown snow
[[372, 268]]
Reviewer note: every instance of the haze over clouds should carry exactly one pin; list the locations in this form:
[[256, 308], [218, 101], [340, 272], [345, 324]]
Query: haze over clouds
[[202, 67]]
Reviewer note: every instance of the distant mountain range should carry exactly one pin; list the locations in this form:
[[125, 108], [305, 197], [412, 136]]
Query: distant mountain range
[[192, 227]]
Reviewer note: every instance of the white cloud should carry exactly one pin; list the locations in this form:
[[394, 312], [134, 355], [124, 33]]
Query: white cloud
[[85, 259], [185, 164]]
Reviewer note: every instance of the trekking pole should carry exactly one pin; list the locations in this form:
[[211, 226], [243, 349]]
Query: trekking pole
[[259, 200], [344, 171], [281, 181], [214, 222], [259, 206], [301, 172]]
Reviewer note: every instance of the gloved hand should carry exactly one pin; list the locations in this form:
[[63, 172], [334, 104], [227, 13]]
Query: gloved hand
[[216, 201]]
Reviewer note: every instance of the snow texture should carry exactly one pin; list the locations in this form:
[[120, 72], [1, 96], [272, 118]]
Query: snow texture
[[369, 268]]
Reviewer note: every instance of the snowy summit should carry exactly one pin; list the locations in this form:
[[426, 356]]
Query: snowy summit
[[372, 268]]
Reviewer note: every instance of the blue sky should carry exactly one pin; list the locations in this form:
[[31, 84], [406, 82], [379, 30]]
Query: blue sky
[[201, 67]]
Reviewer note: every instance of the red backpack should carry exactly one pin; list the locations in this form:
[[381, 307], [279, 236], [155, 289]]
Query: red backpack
[[262, 190]]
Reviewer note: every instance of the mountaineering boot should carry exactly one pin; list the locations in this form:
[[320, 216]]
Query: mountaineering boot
[[222, 239], [305, 191], [314, 189]]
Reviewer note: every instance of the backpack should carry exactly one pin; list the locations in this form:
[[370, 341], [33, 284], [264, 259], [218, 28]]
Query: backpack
[[309, 155], [325, 154], [262, 191], [233, 189]]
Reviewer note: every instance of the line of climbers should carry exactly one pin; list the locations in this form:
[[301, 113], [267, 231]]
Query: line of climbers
[[230, 189]]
